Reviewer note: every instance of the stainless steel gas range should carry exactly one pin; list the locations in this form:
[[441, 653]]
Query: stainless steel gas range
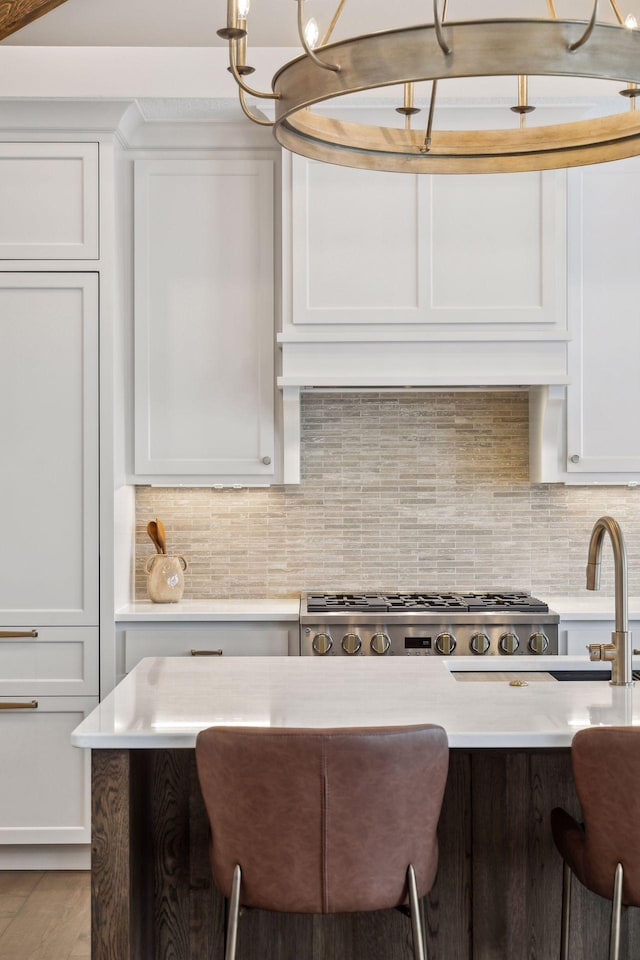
[[426, 624]]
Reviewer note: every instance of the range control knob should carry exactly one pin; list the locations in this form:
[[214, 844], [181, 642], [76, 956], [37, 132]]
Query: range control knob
[[479, 643], [351, 644], [538, 642], [509, 642], [380, 644], [445, 643], [321, 644]]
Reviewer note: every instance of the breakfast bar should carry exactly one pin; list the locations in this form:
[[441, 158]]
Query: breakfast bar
[[498, 889]]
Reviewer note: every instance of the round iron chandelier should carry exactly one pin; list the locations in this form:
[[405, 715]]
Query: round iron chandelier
[[435, 52]]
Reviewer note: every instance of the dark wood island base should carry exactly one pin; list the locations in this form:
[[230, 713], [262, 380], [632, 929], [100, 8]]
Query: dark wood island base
[[497, 895]]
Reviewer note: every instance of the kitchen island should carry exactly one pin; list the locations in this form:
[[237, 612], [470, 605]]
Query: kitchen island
[[497, 895]]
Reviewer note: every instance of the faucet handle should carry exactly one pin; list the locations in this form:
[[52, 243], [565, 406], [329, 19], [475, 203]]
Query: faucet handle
[[602, 651]]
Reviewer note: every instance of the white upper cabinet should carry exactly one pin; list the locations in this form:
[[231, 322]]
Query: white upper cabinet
[[49, 201], [587, 432], [49, 435], [204, 320], [383, 248], [603, 398]]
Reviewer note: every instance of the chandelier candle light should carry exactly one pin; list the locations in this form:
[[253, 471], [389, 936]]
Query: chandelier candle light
[[437, 52]]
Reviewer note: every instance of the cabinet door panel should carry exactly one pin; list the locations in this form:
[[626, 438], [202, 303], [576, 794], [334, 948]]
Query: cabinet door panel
[[488, 255], [48, 433], [45, 796], [357, 246], [49, 201], [204, 317], [382, 248], [604, 393]]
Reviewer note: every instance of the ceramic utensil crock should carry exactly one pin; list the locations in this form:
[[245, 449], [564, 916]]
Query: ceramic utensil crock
[[165, 578]]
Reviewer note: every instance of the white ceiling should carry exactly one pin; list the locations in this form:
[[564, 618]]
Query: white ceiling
[[271, 22]]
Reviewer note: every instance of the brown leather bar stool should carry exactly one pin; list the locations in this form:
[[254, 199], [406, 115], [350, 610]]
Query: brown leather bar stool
[[323, 821], [604, 852]]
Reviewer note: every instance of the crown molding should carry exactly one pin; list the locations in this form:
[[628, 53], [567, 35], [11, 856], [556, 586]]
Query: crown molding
[[41, 117]]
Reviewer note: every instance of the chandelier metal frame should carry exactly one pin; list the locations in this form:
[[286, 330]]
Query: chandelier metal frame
[[435, 52]]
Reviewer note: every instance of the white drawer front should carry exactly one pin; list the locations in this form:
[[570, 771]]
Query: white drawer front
[[222, 639], [49, 199], [61, 661], [46, 795]]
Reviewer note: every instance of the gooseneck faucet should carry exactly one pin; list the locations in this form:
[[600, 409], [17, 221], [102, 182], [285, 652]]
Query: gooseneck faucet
[[619, 651]]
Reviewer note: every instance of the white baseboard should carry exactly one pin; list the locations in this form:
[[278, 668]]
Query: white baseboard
[[46, 857]]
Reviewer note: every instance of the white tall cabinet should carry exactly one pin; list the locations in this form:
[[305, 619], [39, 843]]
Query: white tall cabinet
[[49, 482], [48, 424], [204, 319], [604, 395]]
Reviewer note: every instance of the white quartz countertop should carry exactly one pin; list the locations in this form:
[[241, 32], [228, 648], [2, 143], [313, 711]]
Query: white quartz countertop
[[593, 606], [202, 610], [164, 702]]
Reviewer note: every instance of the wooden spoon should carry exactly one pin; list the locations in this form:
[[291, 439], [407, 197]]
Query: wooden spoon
[[162, 536], [152, 530]]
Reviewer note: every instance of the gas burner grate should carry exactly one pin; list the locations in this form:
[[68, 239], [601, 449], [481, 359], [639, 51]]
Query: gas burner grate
[[339, 602], [492, 602], [424, 602]]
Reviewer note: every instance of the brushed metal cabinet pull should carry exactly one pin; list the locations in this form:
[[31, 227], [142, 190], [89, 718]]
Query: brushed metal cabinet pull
[[6, 634], [31, 705], [206, 653]]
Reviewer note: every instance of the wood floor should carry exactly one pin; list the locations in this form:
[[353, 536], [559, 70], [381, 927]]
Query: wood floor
[[45, 915]]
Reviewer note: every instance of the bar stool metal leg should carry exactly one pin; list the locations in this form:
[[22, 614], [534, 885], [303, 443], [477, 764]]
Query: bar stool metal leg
[[423, 924], [419, 951], [234, 911], [616, 909], [566, 911]]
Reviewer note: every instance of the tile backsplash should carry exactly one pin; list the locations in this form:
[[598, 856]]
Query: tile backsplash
[[402, 492]]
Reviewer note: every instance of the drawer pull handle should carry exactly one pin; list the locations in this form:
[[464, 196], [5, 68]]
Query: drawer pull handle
[[206, 653], [31, 705], [5, 634]]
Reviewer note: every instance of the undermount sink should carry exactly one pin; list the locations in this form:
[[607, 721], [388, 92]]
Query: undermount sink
[[571, 675], [587, 674], [535, 676]]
